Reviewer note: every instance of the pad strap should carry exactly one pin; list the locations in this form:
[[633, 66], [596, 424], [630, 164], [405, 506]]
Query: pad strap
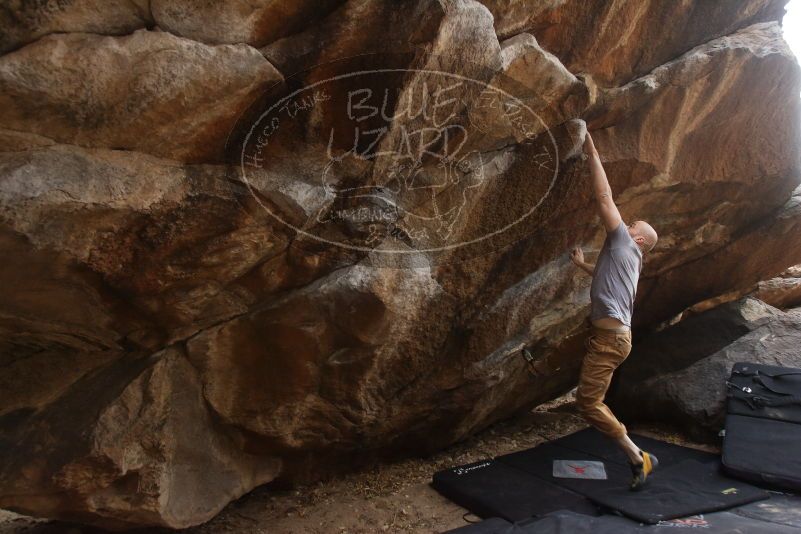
[[755, 402], [757, 372]]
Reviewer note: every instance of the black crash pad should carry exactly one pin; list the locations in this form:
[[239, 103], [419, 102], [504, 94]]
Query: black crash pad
[[490, 488], [493, 525], [686, 488], [538, 462], [779, 514], [687, 482], [571, 523], [677, 489], [565, 522], [595, 443], [782, 509]]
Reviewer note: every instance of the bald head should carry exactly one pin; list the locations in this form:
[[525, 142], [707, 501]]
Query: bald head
[[643, 234]]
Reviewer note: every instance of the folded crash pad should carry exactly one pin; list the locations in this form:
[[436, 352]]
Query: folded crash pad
[[763, 425]]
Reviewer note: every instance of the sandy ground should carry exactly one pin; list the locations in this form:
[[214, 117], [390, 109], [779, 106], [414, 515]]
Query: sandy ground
[[392, 497]]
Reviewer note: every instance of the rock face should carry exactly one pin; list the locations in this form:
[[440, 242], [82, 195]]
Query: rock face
[[154, 453], [249, 241], [784, 291], [149, 92], [621, 41], [678, 374]]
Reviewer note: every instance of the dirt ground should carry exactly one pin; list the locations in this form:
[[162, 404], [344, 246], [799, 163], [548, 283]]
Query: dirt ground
[[392, 497]]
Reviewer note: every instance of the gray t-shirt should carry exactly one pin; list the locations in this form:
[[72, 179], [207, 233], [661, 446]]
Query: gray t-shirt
[[614, 281]]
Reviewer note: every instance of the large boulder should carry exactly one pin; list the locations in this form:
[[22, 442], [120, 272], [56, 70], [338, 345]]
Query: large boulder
[[128, 445], [678, 375], [331, 248]]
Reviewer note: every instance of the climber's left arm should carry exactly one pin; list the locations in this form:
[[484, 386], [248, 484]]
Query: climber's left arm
[[610, 216]]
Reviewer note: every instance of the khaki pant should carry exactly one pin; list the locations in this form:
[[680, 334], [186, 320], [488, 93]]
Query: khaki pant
[[606, 349]]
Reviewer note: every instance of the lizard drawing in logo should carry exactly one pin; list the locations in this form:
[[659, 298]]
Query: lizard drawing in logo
[[417, 194]]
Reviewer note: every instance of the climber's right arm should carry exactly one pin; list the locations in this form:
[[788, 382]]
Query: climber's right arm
[[577, 255]]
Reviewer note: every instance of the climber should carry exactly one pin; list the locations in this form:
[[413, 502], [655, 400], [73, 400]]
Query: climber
[[614, 285]]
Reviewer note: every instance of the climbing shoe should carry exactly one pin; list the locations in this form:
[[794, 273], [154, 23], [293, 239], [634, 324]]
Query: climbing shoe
[[641, 471]]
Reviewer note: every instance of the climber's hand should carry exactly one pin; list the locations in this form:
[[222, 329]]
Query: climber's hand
[[577, 255], [589, 146]]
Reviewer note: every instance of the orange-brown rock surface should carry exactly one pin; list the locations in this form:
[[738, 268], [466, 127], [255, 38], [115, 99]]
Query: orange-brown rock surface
[[784, 291], [248, 241]]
